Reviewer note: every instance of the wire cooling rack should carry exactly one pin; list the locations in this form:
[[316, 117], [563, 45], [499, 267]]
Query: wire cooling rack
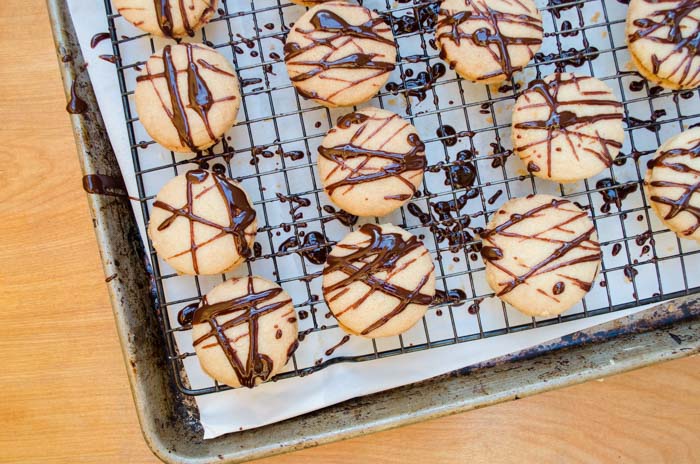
[[471, 172]]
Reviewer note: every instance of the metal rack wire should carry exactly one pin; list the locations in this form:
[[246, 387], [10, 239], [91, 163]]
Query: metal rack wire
[[435, 99]]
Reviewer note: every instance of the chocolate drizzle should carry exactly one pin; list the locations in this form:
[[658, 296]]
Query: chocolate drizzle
[[448, 28], [398, 163], [164, 16], [681, 38], [672, 159], [97, 38], [76, 105], [247, 310], [240, 212], [199, 96], [329, 30], [380, 254], [565, 122], [101, 184], [556, 261]]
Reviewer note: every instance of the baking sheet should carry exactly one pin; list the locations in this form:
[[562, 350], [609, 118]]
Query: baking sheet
[[240, 409]]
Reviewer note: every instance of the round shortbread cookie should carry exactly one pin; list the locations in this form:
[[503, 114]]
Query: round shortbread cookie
[[567, 127], [486, 41], [371, 162], [244, 331], [202, 223], [541, 253], [167, 18], [187, 97], [339, 54], [672, 184], [378, 281], [663, 39]]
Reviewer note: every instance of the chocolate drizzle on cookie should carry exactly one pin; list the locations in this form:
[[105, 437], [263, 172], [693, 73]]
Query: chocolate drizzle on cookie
[[247, 310], [331, 31], [664, 27], [672, 159], [240, 212], [398, 163], [199, 97], [557, 261], [379, 253], [164, 16], [449, 27], [565, 122]]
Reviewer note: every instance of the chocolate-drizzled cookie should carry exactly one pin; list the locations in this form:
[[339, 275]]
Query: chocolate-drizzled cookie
[[487, 41], [567, 127], [378, 281], [339, 54], [371, 162], [244, 331], [202, 223], [672, 184], [168, 18], [187, 96], [663, 37], [541, 253]]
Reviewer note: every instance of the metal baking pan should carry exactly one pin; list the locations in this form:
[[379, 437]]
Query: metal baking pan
[[169, 419]]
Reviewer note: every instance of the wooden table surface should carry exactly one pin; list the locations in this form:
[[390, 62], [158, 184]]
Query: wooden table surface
[[65, 396]]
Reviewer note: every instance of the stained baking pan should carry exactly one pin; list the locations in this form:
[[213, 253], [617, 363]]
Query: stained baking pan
[[167, 414]]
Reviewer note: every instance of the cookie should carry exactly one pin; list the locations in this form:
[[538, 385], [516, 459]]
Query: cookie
[[486, 41], [378, 281], [662, 37], [202, 223], [371, 162], [567, 127], [541, 253], [187, 97], [339, 54], [244, 331], [672, 184], [167, 18]]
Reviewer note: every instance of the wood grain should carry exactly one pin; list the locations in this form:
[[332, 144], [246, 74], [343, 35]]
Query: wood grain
[[65, 396]]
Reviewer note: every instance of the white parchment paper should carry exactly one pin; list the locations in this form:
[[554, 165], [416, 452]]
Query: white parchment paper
[[240, 409]]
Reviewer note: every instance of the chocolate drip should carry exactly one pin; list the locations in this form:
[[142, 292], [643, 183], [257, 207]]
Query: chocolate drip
[[199, 96], [342, 341], [552, 262], [381, 254], [316, 249], [682, 203], [240, 212], [454, 297], [343, 217], [565, 122], [250, 307], [335, 27], [613, 193], [558, 288], [76, 105], [413, 160], [491, 253], [669, 21], [486, 37], [101, 184], [97, 38]]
